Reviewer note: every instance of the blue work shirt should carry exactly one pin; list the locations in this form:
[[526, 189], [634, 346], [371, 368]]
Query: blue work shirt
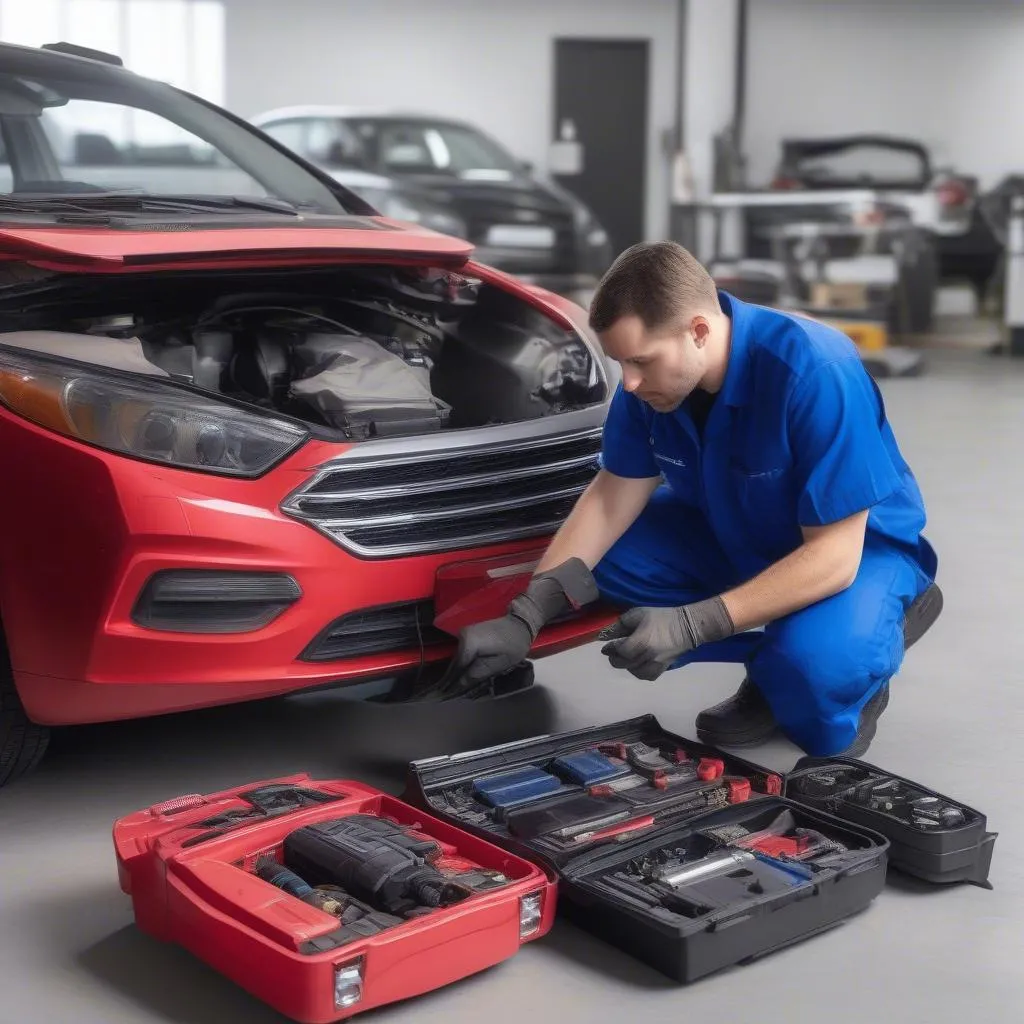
[[797, 436]]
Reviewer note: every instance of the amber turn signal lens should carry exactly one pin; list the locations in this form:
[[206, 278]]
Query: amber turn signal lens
[[36, 398]]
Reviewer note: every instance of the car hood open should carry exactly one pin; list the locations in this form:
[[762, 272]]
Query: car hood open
[[61, 248]]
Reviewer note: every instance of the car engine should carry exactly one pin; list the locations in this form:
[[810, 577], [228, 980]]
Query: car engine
[[364, 352]]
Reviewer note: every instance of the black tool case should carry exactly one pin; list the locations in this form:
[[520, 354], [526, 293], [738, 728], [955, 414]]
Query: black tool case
[[692, 859], [931, 836]]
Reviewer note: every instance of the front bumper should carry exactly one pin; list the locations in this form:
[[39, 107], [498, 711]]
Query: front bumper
[[73, 571]]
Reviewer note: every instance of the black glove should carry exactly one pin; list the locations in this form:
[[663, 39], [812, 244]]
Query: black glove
[[645, 641], [492, 648], [486, 650]]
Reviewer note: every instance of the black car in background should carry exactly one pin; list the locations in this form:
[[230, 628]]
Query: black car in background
[[518, 223], [940, 201]]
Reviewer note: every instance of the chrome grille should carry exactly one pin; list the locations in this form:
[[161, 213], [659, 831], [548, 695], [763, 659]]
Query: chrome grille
[[447, 500]]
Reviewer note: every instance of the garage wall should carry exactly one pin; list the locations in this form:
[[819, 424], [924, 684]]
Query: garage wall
[[946, 71], [709, 85], [488, 61]]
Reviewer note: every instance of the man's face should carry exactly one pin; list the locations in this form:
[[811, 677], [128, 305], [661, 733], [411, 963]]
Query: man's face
[[660, 367]]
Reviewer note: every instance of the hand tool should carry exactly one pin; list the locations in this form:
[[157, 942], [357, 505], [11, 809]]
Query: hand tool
[[376, 859], [710, 768], [679, 874], [618, 832], [477, 879], [566, 816], [782, 839], [801, 844], [332, 899], [721, 879], [590, 827], [930, 811], [267, 802], [460, 804], [827, 783], [516, 787], [587, 768], [651, 768]]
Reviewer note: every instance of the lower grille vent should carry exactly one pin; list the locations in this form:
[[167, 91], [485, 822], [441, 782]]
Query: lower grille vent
[[385, 630]]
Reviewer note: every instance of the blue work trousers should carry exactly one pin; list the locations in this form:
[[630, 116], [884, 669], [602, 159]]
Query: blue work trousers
[[816, 667]]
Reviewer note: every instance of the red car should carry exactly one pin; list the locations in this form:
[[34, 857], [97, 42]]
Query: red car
[[254, 437]]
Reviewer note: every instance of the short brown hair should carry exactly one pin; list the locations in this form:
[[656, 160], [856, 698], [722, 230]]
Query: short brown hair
[[660, 282]]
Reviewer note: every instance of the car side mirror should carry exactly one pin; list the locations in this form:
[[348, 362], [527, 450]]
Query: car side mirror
[[527, 166]]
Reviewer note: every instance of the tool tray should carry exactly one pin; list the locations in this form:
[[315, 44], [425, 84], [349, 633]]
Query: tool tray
[[327, 898], [692, 859], [931, 836]]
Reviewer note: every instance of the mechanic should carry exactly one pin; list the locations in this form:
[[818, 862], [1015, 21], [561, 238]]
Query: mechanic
[[752, 506]]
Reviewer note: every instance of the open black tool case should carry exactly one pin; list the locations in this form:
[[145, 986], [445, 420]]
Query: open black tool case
[[689, 858]]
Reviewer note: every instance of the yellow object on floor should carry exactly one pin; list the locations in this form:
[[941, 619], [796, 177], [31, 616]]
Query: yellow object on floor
[[867, 334], [870, 335]]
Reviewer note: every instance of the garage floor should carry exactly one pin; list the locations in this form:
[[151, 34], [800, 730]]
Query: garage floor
[[72, 956]]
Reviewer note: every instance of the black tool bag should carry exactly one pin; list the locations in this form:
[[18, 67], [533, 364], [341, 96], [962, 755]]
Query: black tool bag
[[692, 859]]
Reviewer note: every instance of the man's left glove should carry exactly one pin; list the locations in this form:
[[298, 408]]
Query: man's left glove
[[492, 648], [646, 641]]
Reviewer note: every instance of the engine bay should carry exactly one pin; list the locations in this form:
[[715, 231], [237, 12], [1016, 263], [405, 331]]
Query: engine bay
[[355, 352]]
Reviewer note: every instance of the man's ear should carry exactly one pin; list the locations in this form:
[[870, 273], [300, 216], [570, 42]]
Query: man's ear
[[701, 330]]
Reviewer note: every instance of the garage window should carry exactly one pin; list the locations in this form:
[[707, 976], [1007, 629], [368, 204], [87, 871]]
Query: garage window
[[176, 41]]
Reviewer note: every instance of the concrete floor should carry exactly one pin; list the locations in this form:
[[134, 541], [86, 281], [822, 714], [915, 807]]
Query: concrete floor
[[71, 954]]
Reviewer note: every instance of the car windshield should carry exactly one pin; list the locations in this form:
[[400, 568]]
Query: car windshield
[[78, 130], [425, 146]]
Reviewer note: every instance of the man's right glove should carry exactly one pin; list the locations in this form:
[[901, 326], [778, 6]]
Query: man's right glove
[[492, 648], [645, 641]]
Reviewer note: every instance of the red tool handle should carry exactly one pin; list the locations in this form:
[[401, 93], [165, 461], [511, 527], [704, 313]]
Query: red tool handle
[[622, 828]]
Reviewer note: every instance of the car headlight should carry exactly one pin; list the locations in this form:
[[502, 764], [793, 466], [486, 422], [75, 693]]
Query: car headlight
[[144, 419]]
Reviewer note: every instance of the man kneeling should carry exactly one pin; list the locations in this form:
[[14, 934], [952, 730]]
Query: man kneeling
[[749, 479]]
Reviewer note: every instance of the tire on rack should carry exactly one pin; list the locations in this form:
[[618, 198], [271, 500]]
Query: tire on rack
[[22, 741]]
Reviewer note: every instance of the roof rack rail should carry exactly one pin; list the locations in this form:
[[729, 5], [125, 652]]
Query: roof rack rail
[[84, 51]]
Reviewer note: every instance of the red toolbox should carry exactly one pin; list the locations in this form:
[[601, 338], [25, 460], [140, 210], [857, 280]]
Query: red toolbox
[[210, 873]]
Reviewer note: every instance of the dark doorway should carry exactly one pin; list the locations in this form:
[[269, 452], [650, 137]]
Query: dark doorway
[[601, 88]]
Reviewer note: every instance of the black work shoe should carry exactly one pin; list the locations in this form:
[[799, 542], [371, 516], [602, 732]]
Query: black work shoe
[[745, 719], [920, 617], [869, 716], [741, 721]]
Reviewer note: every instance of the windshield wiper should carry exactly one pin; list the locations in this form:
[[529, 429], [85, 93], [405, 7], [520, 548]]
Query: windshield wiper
[[98, 204]]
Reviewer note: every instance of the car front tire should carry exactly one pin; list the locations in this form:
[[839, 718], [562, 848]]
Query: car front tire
[[22, 742]]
